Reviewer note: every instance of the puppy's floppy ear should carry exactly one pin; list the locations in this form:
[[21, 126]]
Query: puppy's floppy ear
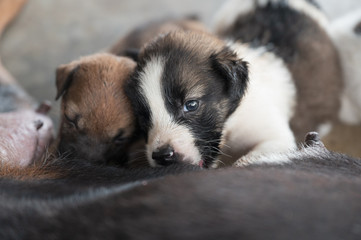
[[64, 77], [233, 70]]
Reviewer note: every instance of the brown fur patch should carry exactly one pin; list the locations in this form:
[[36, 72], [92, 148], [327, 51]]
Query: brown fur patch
[[201, 44], [137, 38], [94, 105], [318, 77], [97, 96], [31, 172]]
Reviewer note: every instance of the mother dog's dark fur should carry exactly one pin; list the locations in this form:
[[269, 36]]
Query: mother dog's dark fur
[[312, 197]]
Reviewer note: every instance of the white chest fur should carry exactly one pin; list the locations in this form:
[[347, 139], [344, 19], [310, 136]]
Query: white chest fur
[[261, 122]]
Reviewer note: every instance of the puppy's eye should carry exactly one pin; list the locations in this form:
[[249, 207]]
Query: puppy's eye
[[72, 122], [191, 106]]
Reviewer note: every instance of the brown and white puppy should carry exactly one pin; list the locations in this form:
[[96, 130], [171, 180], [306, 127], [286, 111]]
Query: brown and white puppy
[[346, 34], [97, 121], [130, 44], [194, 101]]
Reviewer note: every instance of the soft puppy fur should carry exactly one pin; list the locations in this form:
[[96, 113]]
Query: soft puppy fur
[[313, 195], [346, 33], [170, 81], [95, 113], [194, 101], [97, 122], [131, 43], [298, 33]]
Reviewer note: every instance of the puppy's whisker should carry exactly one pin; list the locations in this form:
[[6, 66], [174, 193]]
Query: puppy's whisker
[[208, 141], [226, 145], [225, 154], [221, 162], [139, 151], [218, 151], [138, 159], [139, 156]]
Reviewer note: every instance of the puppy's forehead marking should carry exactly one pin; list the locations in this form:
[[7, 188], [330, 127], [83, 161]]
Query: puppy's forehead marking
[[152, 87], [164, 128]]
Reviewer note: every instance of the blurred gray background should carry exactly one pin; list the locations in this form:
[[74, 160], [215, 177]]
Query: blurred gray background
[[48, 32]]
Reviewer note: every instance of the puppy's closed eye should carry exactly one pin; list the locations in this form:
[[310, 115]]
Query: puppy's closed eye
[[72, 121]]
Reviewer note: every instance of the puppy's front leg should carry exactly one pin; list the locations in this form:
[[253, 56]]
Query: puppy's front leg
[[256, 137], [267, 152], [311, 148]]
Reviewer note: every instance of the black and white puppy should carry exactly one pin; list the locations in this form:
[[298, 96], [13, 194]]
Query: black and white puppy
[[194, 101], [185, 87]]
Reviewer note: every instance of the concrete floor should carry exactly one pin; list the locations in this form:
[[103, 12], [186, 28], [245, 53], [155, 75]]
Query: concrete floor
[[49, 33]]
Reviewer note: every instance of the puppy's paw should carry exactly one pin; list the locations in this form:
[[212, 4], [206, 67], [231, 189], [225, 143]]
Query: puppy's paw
[[242, 162]]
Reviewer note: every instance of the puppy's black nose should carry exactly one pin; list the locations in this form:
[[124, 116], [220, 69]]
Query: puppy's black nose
[[164, 155]]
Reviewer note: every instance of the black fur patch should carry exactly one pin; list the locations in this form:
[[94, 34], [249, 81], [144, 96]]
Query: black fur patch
[[96, 152], [139, 104], [230, 67], [319, 199], [275, 26]]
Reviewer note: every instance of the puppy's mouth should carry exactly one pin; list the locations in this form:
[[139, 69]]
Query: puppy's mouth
[[204, 163], [201, 164]]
